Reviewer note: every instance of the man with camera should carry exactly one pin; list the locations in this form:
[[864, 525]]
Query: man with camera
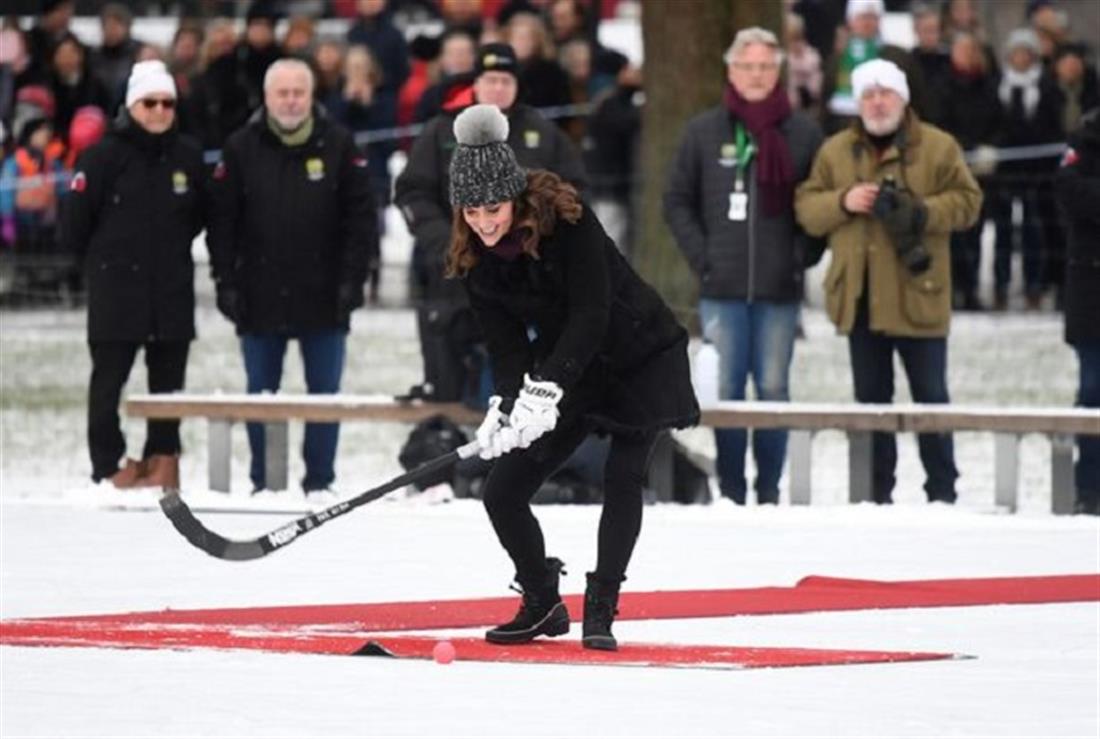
[[887, 193]]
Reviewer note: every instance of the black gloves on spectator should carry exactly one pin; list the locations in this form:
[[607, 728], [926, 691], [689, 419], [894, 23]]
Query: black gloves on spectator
[[230, 303], [903, 216], [349, 296]]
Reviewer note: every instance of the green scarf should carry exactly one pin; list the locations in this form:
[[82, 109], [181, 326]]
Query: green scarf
[[858, 51], [297, 137]]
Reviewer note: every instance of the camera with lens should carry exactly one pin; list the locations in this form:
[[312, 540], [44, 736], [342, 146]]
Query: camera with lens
[[904, 217]]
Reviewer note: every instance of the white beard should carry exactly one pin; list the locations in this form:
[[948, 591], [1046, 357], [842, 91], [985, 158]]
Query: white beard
[[883, 126]]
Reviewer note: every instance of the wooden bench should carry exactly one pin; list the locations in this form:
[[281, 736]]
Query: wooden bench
[[803, 420]]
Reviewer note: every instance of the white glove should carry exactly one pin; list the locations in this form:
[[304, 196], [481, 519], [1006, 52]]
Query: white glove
[[535, 411], [494, 436], [984, 160]]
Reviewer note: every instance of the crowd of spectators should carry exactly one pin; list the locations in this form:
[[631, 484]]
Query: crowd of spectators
[[377, 72], [397, 62]]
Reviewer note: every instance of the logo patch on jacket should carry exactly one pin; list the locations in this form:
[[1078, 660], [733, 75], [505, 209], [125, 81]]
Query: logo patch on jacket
[[179, 182], [727, 155], [315, 169], [531, 139], [79, 182]]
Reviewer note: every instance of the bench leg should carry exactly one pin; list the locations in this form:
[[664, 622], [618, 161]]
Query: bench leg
[[1062, 485], [799, 460], [860, 454], [218, 453], [275, 455], [1006, 470]]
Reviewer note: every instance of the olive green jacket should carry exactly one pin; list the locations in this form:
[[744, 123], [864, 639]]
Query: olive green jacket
[[929, 163]]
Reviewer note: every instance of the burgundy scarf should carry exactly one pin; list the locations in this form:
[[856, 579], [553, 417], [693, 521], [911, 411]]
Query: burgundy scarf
[[510, 246], [774, 168]]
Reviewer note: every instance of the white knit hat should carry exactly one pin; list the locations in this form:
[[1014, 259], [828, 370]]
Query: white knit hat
[[147, 78], [859, 7], [879, 73]]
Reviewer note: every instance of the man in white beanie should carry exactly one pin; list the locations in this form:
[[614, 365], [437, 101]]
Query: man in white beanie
[[862, 18], [151, 96], [887, 192], [136, 202]]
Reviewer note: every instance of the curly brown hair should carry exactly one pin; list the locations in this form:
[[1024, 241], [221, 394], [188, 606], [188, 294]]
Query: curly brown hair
[[546, 198]]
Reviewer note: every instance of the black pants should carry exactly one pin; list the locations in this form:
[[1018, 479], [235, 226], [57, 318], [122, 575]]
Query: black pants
[[112, 361], [925, 363], [516, 477], [966, 254]]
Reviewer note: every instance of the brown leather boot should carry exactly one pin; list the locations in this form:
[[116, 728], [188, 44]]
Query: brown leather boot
[[128, 477], [162, 471]]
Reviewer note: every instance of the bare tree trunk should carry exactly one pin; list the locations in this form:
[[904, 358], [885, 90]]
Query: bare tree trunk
[[684, 74]]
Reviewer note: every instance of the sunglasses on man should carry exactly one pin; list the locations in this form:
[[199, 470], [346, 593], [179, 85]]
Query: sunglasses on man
[[150, 103]]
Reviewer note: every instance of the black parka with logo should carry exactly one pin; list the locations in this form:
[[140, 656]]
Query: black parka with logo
[[136, 203], [291, 226]]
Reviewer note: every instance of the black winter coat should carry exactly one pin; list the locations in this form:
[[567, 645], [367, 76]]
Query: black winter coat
[[1018, 129], [292, 228], [1078, 186], [422, 191], [136, 203], [601, 332], [759, 258], [972, 110]]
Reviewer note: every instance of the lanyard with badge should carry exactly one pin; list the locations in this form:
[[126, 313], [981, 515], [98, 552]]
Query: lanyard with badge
[[739, 198]]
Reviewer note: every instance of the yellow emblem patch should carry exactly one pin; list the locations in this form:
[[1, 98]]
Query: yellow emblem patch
[[179, 182]]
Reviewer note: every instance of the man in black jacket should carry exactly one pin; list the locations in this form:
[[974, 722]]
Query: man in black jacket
[[1078, 186], [136, 204], [291, 237], [729, 203], [447, 331]]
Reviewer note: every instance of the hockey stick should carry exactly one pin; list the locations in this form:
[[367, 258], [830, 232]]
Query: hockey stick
[[218, 546]]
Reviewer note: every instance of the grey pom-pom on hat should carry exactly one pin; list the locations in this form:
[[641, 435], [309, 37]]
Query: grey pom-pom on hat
[[484, 168]]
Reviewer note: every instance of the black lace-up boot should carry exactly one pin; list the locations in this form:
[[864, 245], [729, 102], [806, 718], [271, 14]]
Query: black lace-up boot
[[601, 601], [541, 613]]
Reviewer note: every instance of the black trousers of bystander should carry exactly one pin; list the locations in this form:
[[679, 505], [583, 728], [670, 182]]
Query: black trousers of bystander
[[166, 363]]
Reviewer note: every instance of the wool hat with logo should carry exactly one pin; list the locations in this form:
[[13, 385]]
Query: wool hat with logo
[[496, 58]]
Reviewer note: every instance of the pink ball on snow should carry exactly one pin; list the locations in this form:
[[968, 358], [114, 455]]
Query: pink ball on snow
[[443, 652]]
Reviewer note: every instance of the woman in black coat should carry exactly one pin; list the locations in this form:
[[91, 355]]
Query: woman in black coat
[[578, 343], [135, 204]]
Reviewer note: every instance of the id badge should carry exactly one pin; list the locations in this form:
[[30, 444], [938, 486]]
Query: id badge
[[739, 206]]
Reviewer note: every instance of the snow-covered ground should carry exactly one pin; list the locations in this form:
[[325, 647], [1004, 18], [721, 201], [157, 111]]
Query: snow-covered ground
[[1036, 672]]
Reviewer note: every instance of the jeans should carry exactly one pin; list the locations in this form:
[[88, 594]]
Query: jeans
[[756, 338], [1087, 471], [166, 363], [323, 358], [925, 363], [1031, 238]]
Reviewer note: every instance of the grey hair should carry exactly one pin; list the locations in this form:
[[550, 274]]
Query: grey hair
[[287, 63], [753, 35]]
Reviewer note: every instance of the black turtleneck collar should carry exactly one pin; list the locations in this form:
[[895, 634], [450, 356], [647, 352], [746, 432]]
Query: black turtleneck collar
[[882, 143]]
